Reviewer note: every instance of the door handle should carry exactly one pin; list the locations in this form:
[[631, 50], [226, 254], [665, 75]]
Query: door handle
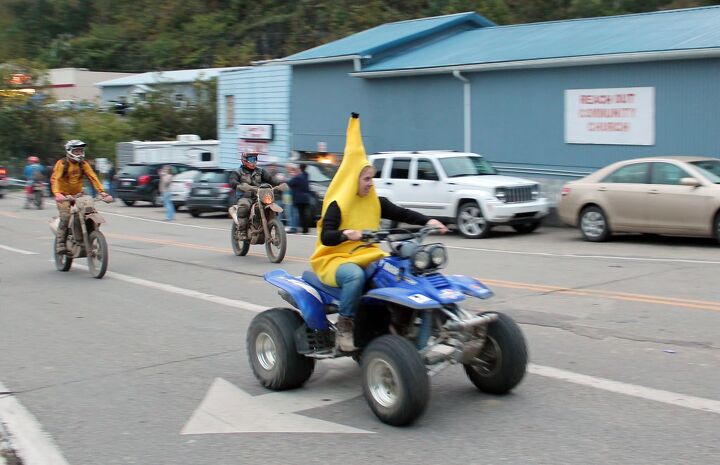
[[602, 189], [416, 184], [388, 184], [654, 191]]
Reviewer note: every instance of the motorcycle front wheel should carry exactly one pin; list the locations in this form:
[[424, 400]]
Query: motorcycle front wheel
[[97, 255], [62, 262], [276, 242], [240, 247]]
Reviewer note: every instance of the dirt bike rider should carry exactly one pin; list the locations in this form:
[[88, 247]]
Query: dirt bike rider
[[247, 176], [351, 205], [67, 179], [32, 173]]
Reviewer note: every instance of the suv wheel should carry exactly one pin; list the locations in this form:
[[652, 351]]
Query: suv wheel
[[129, 203], [470, 221], [157, 199]]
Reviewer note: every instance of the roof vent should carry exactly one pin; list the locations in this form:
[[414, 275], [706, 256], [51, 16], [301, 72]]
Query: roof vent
[[187, 137]]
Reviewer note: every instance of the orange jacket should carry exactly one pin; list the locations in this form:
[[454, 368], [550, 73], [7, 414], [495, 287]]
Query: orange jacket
[[71, 183]]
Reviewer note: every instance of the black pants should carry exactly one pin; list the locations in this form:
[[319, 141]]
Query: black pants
[[303, 216]]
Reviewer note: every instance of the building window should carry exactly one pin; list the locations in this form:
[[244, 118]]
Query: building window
[[229, 111]]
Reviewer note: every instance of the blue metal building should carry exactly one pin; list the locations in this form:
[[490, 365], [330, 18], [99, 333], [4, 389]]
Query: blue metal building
[[516, 94], [461, 82]]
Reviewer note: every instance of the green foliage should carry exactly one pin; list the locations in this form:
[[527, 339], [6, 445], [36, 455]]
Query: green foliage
[[147, 35]]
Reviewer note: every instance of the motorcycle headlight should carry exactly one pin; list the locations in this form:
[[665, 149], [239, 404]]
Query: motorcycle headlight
[[421, 259], [438, 256]]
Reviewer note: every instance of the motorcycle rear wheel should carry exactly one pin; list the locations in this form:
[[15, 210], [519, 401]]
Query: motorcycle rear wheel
[[62, 262], [97, 256], [276, 243], [240, 247], [38, 199]]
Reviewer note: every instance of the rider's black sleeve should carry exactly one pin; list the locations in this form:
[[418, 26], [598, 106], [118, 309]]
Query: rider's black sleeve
[[331, 234], [390, 211]]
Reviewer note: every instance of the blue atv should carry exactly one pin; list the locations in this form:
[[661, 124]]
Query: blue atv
[[409, 326]]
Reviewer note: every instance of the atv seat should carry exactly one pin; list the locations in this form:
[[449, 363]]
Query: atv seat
[[312, 279]]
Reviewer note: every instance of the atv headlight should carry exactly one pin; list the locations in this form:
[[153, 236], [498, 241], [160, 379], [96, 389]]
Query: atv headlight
[[438, 256], [421, 260]]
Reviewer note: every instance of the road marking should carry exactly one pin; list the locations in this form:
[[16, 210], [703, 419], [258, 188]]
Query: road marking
[[228, 409], [666, 397], [13, 249], [603, 257], [28, 440], [646, 298]]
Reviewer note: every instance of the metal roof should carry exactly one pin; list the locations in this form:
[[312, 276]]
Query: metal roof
[[663, 32], [165, 77], [387, 36]]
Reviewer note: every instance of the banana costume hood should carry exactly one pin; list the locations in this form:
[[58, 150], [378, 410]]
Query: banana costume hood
[[357, 212]]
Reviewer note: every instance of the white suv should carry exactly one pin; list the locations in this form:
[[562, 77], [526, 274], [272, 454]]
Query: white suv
[[460, 188]]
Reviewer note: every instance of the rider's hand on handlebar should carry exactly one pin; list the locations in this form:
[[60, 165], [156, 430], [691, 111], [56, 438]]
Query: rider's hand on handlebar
[[353, 234], [442, 229], [59, 197]]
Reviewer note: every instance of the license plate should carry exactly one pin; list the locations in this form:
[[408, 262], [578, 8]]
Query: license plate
[[126, 183], [203, 192]]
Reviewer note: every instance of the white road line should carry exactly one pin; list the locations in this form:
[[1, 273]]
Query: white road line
[[234, 303], [666, 397], [13, 249], [28, 440]]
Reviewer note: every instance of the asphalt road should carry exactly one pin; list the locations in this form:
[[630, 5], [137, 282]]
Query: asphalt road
[[148, 365]]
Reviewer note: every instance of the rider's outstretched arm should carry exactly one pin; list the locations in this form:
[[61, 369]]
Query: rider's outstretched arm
[[390, 211]]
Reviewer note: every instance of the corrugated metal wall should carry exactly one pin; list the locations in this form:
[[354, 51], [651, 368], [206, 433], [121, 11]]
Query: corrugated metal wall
[[261, 96], [517, 116]]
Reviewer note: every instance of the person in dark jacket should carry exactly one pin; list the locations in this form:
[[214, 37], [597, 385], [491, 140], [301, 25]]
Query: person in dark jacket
[[301, 196]]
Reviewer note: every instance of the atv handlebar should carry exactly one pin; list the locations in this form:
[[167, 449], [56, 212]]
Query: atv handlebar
[[374, 237]]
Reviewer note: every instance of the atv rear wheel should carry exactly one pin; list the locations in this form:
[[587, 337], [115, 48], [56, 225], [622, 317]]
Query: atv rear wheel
[[271, 350], [502, 361], [395, 383]]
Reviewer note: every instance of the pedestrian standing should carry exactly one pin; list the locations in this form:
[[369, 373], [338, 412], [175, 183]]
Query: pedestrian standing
[[165, 180], [288, 208], [301, 195]]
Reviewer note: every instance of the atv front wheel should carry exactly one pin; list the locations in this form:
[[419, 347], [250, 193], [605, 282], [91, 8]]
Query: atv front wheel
[[271, 349], [395, 383], [501, 363]]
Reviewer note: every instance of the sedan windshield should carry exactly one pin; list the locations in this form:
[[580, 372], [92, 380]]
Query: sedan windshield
[[466, 166], [710, 168]]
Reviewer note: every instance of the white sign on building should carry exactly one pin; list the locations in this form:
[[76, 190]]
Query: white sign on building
[[621, 116], [255, 131]]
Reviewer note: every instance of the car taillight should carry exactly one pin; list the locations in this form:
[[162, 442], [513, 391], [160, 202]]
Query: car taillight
[[565, 191], [3, 171], [224, 188], [144, 179]]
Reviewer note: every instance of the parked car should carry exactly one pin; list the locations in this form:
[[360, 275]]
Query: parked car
[[460, 188], [140, 181], [211, 192], [678, 195], [182, 184]]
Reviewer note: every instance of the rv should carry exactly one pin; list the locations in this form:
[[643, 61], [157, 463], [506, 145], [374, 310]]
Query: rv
[[188, 149]]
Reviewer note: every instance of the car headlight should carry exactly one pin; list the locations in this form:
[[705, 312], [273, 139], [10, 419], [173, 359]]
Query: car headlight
[[421, 259], [438, 256], [535, 192], [500, 194]]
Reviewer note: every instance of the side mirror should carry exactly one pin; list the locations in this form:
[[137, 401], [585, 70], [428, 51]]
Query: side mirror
[[692, 182]]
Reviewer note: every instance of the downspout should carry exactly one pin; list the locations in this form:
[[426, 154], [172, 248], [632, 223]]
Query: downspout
[[466, 109]]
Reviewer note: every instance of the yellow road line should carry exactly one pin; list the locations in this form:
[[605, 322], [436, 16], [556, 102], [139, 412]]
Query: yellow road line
[[625, 296]]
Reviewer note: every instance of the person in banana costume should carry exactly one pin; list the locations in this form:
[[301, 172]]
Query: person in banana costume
[[351, 205]]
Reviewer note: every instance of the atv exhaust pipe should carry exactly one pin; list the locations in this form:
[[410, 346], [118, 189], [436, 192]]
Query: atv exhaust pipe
[[462, 325]]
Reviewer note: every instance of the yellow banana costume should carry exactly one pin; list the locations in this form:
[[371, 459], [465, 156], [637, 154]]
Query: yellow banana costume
[[356, 212]]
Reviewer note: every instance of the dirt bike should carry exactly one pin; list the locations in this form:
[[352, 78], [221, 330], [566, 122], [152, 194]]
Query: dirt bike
[[263, 225], [84, 237], [34, 194], [409, 326]]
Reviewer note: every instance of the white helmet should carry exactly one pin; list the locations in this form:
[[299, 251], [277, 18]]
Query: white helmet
[[75, 144]]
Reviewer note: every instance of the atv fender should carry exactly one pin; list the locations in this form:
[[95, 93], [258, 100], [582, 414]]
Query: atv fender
[[307, 299], [406, 297], [470, 286]]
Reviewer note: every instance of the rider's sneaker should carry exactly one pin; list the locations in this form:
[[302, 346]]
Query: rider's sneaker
[[344, 334]]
